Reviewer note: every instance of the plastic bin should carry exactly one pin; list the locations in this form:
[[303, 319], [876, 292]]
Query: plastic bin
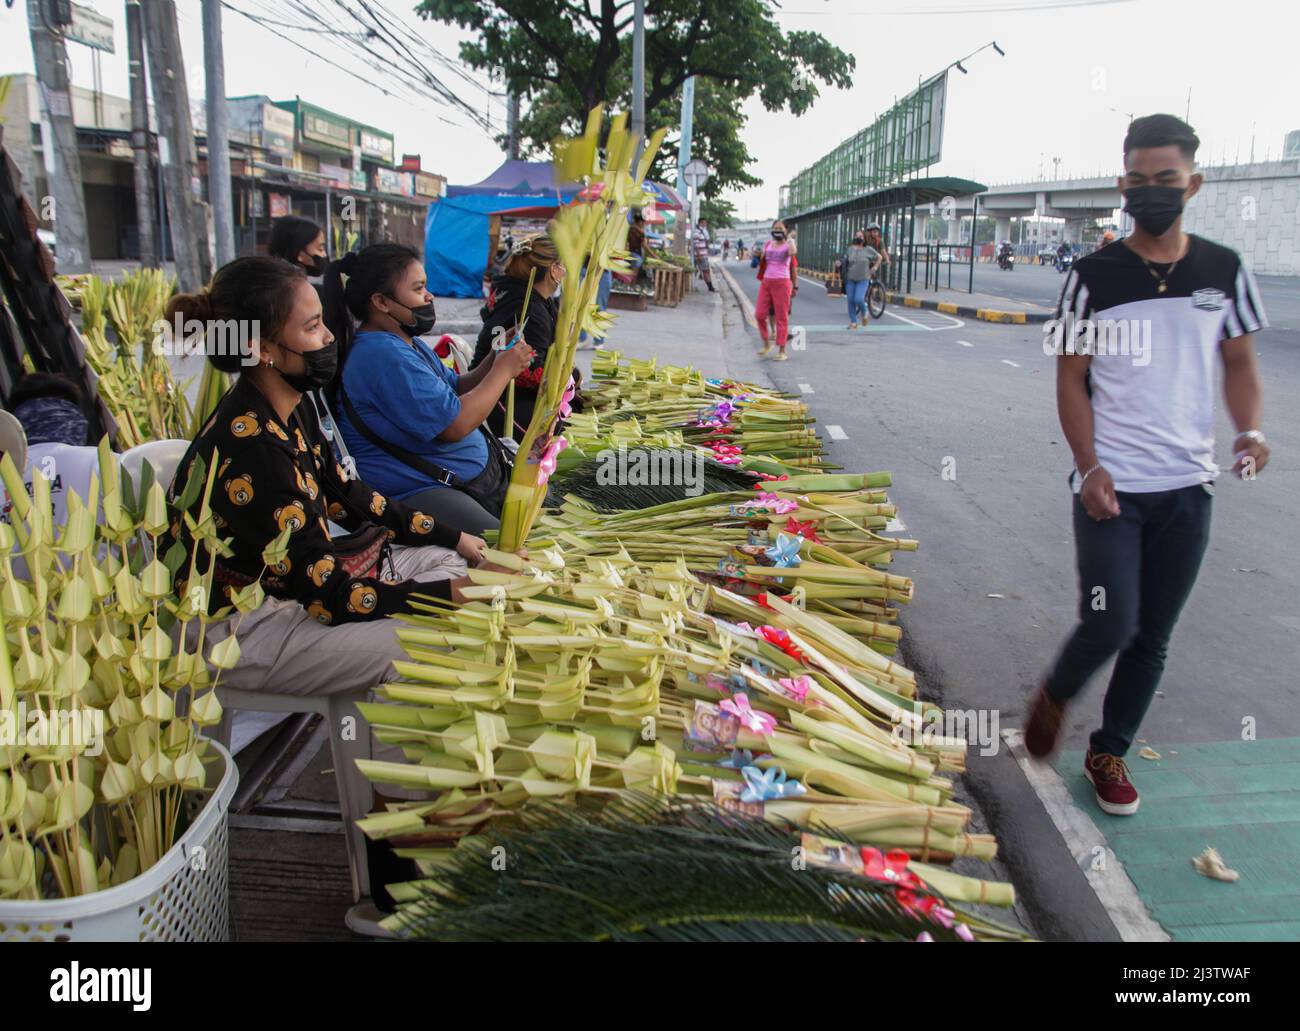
[[183, 897]]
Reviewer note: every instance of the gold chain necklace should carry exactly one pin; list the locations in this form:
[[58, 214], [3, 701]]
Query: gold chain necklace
[[1162, 282]]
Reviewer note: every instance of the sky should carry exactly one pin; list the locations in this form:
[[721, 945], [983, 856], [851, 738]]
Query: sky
[[1073, 72]]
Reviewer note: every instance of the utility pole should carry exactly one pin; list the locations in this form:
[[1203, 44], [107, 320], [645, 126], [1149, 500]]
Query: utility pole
[[684, 153], [638, 78], [189, 228], [219, 194], [58, 140], [512, 125], [144, 206]]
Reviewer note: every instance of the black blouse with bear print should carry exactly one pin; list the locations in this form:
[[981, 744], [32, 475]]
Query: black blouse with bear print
[[270, 477]]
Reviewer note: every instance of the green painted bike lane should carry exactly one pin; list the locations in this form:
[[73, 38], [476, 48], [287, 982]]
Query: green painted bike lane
[[1242, 798]]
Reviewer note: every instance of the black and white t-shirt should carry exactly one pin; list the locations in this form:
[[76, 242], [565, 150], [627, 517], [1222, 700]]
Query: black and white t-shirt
[[1154, 372]]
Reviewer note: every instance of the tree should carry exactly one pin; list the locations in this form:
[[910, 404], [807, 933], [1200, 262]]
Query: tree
[[719, 213], [567, 56]]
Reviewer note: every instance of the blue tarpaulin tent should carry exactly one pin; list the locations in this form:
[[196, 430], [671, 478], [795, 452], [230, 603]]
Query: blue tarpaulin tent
[[456, 233]]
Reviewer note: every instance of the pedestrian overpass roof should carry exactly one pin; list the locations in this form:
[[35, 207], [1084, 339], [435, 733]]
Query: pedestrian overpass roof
[[909, 193]]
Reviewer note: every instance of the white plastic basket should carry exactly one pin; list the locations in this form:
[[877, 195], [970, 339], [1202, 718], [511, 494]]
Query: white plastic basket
[[183, 897]]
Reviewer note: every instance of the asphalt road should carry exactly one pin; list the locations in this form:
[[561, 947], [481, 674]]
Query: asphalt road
[[995, 585]]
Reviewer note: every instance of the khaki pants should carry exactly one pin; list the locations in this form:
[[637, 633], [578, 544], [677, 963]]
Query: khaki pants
[[286, 651]]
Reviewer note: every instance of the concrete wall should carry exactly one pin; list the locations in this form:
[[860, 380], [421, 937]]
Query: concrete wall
[[1254, 209]]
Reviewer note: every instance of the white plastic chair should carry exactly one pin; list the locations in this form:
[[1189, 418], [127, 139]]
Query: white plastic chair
[[164, 455], [13, 440]]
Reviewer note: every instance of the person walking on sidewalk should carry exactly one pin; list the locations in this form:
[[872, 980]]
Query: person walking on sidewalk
[[700, 245], [1141, 428], [859, 264], [776, 288]]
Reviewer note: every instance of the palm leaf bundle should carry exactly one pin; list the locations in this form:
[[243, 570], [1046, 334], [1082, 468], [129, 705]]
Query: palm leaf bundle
[[591, 236], [126, 347], [102, 709], [649, 869]]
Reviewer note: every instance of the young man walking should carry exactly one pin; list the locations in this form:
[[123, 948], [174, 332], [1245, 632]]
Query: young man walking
[[1155, 313]]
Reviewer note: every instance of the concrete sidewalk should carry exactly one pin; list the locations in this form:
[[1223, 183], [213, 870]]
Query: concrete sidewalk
[[702, 332], [705, 331]]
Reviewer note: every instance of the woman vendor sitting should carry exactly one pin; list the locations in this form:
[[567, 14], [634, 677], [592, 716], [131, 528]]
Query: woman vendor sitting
[[413, 425], [321, 628]]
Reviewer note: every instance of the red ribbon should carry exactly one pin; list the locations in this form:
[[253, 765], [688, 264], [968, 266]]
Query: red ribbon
[[781, 639], [910, 890]]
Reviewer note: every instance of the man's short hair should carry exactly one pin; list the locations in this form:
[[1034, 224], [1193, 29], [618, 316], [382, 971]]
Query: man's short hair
[[1161, 131]]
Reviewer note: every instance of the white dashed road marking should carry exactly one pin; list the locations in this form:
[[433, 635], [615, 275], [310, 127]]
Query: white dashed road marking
[[965, 343], [806, 388], [1008, 361], [837, 433]]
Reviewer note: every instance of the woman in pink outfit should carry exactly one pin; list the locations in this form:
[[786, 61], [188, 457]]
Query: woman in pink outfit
[[776, 282]]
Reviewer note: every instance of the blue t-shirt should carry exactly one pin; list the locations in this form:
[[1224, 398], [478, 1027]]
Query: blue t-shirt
[[405, 395]]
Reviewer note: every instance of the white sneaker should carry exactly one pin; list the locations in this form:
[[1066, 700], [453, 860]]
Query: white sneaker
[[364, 918]]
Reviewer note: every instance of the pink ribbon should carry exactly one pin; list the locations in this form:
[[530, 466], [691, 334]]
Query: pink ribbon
[[569, 391], [549, 457], [759, 722], [772, 503]]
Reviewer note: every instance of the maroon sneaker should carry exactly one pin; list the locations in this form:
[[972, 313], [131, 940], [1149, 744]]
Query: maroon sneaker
[[1109, 775], [1043, 725]]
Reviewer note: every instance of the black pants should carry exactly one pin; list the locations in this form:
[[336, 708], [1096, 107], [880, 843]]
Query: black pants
[[455, 508], [1135, 573]]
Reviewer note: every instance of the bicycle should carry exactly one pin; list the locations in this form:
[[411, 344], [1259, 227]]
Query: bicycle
[[876, 299]]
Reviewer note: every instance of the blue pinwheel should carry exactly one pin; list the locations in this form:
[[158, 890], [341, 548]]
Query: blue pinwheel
[[785, 552], [768, 785]]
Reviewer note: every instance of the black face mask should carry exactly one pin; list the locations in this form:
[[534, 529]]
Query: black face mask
[[1154, 208], [777, 234], [321, 365], [316, 267], [858, 241], [423, 319]]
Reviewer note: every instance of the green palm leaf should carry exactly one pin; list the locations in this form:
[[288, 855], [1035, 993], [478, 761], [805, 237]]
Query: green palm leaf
[[647, 869]]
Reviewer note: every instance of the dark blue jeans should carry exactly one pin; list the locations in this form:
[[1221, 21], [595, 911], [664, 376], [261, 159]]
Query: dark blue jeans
[[1135, 573]]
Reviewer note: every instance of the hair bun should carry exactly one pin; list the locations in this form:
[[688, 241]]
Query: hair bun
[[198, 306]]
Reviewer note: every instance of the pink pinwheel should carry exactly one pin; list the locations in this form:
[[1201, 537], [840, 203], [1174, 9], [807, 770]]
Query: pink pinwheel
[[549, 457], [797, 687], [751, 719]]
